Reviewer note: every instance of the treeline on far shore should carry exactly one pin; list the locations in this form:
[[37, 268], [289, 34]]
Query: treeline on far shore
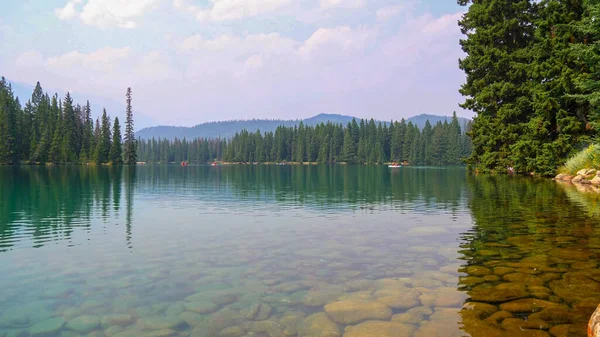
[[363, 141], [48, 129]]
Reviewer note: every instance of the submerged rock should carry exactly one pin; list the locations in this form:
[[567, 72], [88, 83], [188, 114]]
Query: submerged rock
[[351, 311], [113, 330], [571, 254], [498, 316], [319, 325], [498, 293], [400, 298], [117, 319], [84, 323], [291, 321], [320, 297], [558, 316], [575, 287], [530, 305], [25, 315], [47, 327], [478, 271], [271, 327], [192, 318], [204, 307], [443, 297], [379, 329], [259, 312], [161, 322], [521, 324], [413, 316], [161, 333], [232, 331]]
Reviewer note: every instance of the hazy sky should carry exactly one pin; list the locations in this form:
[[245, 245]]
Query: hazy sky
[[190, 61]]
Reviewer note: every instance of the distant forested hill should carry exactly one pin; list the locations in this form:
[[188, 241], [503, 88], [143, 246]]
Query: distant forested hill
[[227, 129]]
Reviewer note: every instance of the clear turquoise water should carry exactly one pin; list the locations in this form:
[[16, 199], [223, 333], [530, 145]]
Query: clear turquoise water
[[292, 251]]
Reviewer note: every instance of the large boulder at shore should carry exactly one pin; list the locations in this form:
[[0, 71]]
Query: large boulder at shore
[[379, 329], [594, 324], [577, 179], [350, 311]]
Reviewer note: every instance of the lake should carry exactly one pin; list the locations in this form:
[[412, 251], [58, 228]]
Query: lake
[[315, 251]]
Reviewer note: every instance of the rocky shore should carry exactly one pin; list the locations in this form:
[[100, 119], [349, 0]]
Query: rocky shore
[[589, 177]]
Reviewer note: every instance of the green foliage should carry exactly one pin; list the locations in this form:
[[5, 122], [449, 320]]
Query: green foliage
[[116, 153], [102, 154], [525, 80], [130, 155], [587, 47], [48, 129], [586, 159], [358, 142], [228, 129]]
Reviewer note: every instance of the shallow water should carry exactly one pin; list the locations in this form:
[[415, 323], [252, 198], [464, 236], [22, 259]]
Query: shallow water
[[292, 251]]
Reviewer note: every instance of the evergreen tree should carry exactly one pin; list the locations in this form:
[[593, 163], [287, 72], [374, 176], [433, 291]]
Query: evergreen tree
[[349, 153], [56, 155], [103, 140], [323, 157], [299, 144], [8, 140], [587, 48], [87, 139], [498, 38], [116, 154], [556, 126], [129, 154], [69, 131]]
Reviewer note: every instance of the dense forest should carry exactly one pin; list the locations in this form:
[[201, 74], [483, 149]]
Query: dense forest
[[227, 129], [533, 79], [358, 142], [49, 129]]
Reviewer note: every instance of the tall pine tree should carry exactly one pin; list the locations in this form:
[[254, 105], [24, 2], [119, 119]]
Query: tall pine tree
[[498, 38], [116, 153], [129, 153]]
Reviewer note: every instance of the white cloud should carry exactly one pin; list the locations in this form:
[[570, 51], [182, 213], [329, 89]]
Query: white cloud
[[326, 4], [103, 61], [30, 58], [335, 40], [227, 10], [107, 13], [442, 24], [346, 68], [230, 46], [386, 13], [254, 62], [68, 12]]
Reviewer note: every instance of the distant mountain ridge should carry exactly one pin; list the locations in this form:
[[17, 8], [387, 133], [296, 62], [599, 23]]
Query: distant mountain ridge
[[227, 129]]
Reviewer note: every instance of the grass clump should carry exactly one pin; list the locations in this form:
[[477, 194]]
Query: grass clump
[[586, 159]]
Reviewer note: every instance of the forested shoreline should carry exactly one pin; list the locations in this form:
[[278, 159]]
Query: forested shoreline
[[52, 130], [533, 79], [359, 142]]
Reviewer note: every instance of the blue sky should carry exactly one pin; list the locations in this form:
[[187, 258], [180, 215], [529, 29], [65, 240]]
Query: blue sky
[[190, 61]]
